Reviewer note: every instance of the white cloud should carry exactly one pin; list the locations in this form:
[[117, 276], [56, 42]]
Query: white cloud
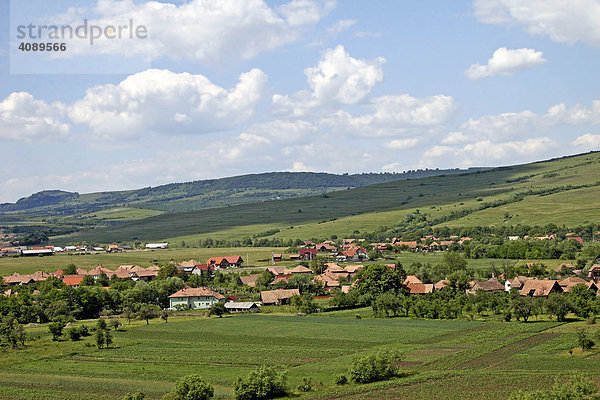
[[484, 153], [364, 34], [161, 101], [198, 30], [510, 125], [506, 62], [283, 131], [25, 119], [338, 78], [395, 115], [563, 21], [340, 26], [587, 141], [402, 144]]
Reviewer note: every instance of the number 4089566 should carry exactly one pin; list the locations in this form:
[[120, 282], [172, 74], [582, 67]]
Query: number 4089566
[[24, 46]]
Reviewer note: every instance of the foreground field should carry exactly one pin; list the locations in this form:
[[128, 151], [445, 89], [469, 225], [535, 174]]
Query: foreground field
[[449, 359]]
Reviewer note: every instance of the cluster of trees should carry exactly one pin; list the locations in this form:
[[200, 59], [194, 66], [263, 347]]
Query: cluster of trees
[[578, 387], [381, 288]]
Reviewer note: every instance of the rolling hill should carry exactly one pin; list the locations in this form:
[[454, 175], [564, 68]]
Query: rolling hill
[[563, 191]]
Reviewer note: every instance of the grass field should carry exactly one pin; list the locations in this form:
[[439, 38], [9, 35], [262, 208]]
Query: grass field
[[449, 359], [251, 256], [366, 208]]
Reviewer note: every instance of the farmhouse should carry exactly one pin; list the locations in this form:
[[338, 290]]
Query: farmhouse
[[568, 283], [73, 280], [491, 285], [515, 283], [277, 297], [540, 287], [157, 245], [594, 273], [225, 262], [353, 254], [308, 254], [248, 280], [193, 298], [300, 269]]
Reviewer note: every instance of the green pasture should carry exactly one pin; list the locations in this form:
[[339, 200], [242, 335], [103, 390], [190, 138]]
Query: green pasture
[[462, 359]]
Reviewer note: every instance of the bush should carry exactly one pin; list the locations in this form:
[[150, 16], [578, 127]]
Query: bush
[[261, 383], [375, 367], [73, 334], [139, 395], [341, 379], [306, 385], [191, 387]]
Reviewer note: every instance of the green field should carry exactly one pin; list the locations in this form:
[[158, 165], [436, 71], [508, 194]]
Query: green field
[[449, 359], [145, 258], [563, 191]]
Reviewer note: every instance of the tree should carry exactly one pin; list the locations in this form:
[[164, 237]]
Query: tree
[[164, 315], [147, 312], [56, 328], [583, 340], [376, 279], [114, 323], [128, 314], [70, 269], [581, 299], [261, 383], [167, 271], [523, 307], [11, 333], [454, 261], [191, 387], [375, 367], [88, 280], [218, 308], [558, 305]]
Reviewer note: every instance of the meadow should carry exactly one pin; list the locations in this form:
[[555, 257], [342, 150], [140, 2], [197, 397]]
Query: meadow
[[447, 359]]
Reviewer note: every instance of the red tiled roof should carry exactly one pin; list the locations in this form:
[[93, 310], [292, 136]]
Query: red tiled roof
[[198, 292]]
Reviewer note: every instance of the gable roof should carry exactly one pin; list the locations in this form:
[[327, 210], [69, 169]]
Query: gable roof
[[334, 268], [540, 287], [300, 269], [420, 288], [275, 296], [249, 280], [353, 268], [412, 279], [73, 280], [198, 292]]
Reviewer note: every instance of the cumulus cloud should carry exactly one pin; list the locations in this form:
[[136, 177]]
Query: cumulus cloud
[[340, 26], [486, 152], [506, 62], [198, 30], [510, 125], [337, 79], [395, 115], [563, 21], [162, 101], [25, 119], [587, 141], [402, 144]]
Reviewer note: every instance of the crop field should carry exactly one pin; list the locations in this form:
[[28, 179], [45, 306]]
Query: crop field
[[447, 359]]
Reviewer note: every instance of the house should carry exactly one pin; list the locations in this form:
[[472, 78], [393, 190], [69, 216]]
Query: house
[[513, 238], [570, 282], [73, 280], [300, 269], [234, 306], [594, 273], [281, 278], [515, 283], [330, 280], [324, 247], [99, 270], [248, 280], [564, 268], [491, 285], [225, 262], [194, 298], [278, 270], [157, 246], [277, 297], [353, 268], [540, 287], [146, 276], [113, 248], [353, 254], [420, 288], [37, 252], [17, 279], [441, 284], [277, 257], [411, 279], [189, 267], [308, 254]]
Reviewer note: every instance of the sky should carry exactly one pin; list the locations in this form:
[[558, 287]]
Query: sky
[[213, 88]]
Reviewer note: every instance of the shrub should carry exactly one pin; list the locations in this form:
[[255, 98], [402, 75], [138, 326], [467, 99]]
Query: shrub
[[261, 383], [375, 367], [191, 387], [139, 395], [73, 334], [306, 385], [341, 379]]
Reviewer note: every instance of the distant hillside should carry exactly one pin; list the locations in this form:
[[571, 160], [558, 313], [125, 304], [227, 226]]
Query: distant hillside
[[563, 191], [190, 196]]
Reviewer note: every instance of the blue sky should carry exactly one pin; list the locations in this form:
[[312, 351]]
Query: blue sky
[[229, 87]]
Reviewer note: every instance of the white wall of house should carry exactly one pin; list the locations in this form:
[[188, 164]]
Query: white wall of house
[[193, 302]]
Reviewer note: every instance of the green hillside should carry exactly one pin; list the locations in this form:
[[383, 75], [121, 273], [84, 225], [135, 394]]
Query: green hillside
[[531, 193], [54, 211]]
